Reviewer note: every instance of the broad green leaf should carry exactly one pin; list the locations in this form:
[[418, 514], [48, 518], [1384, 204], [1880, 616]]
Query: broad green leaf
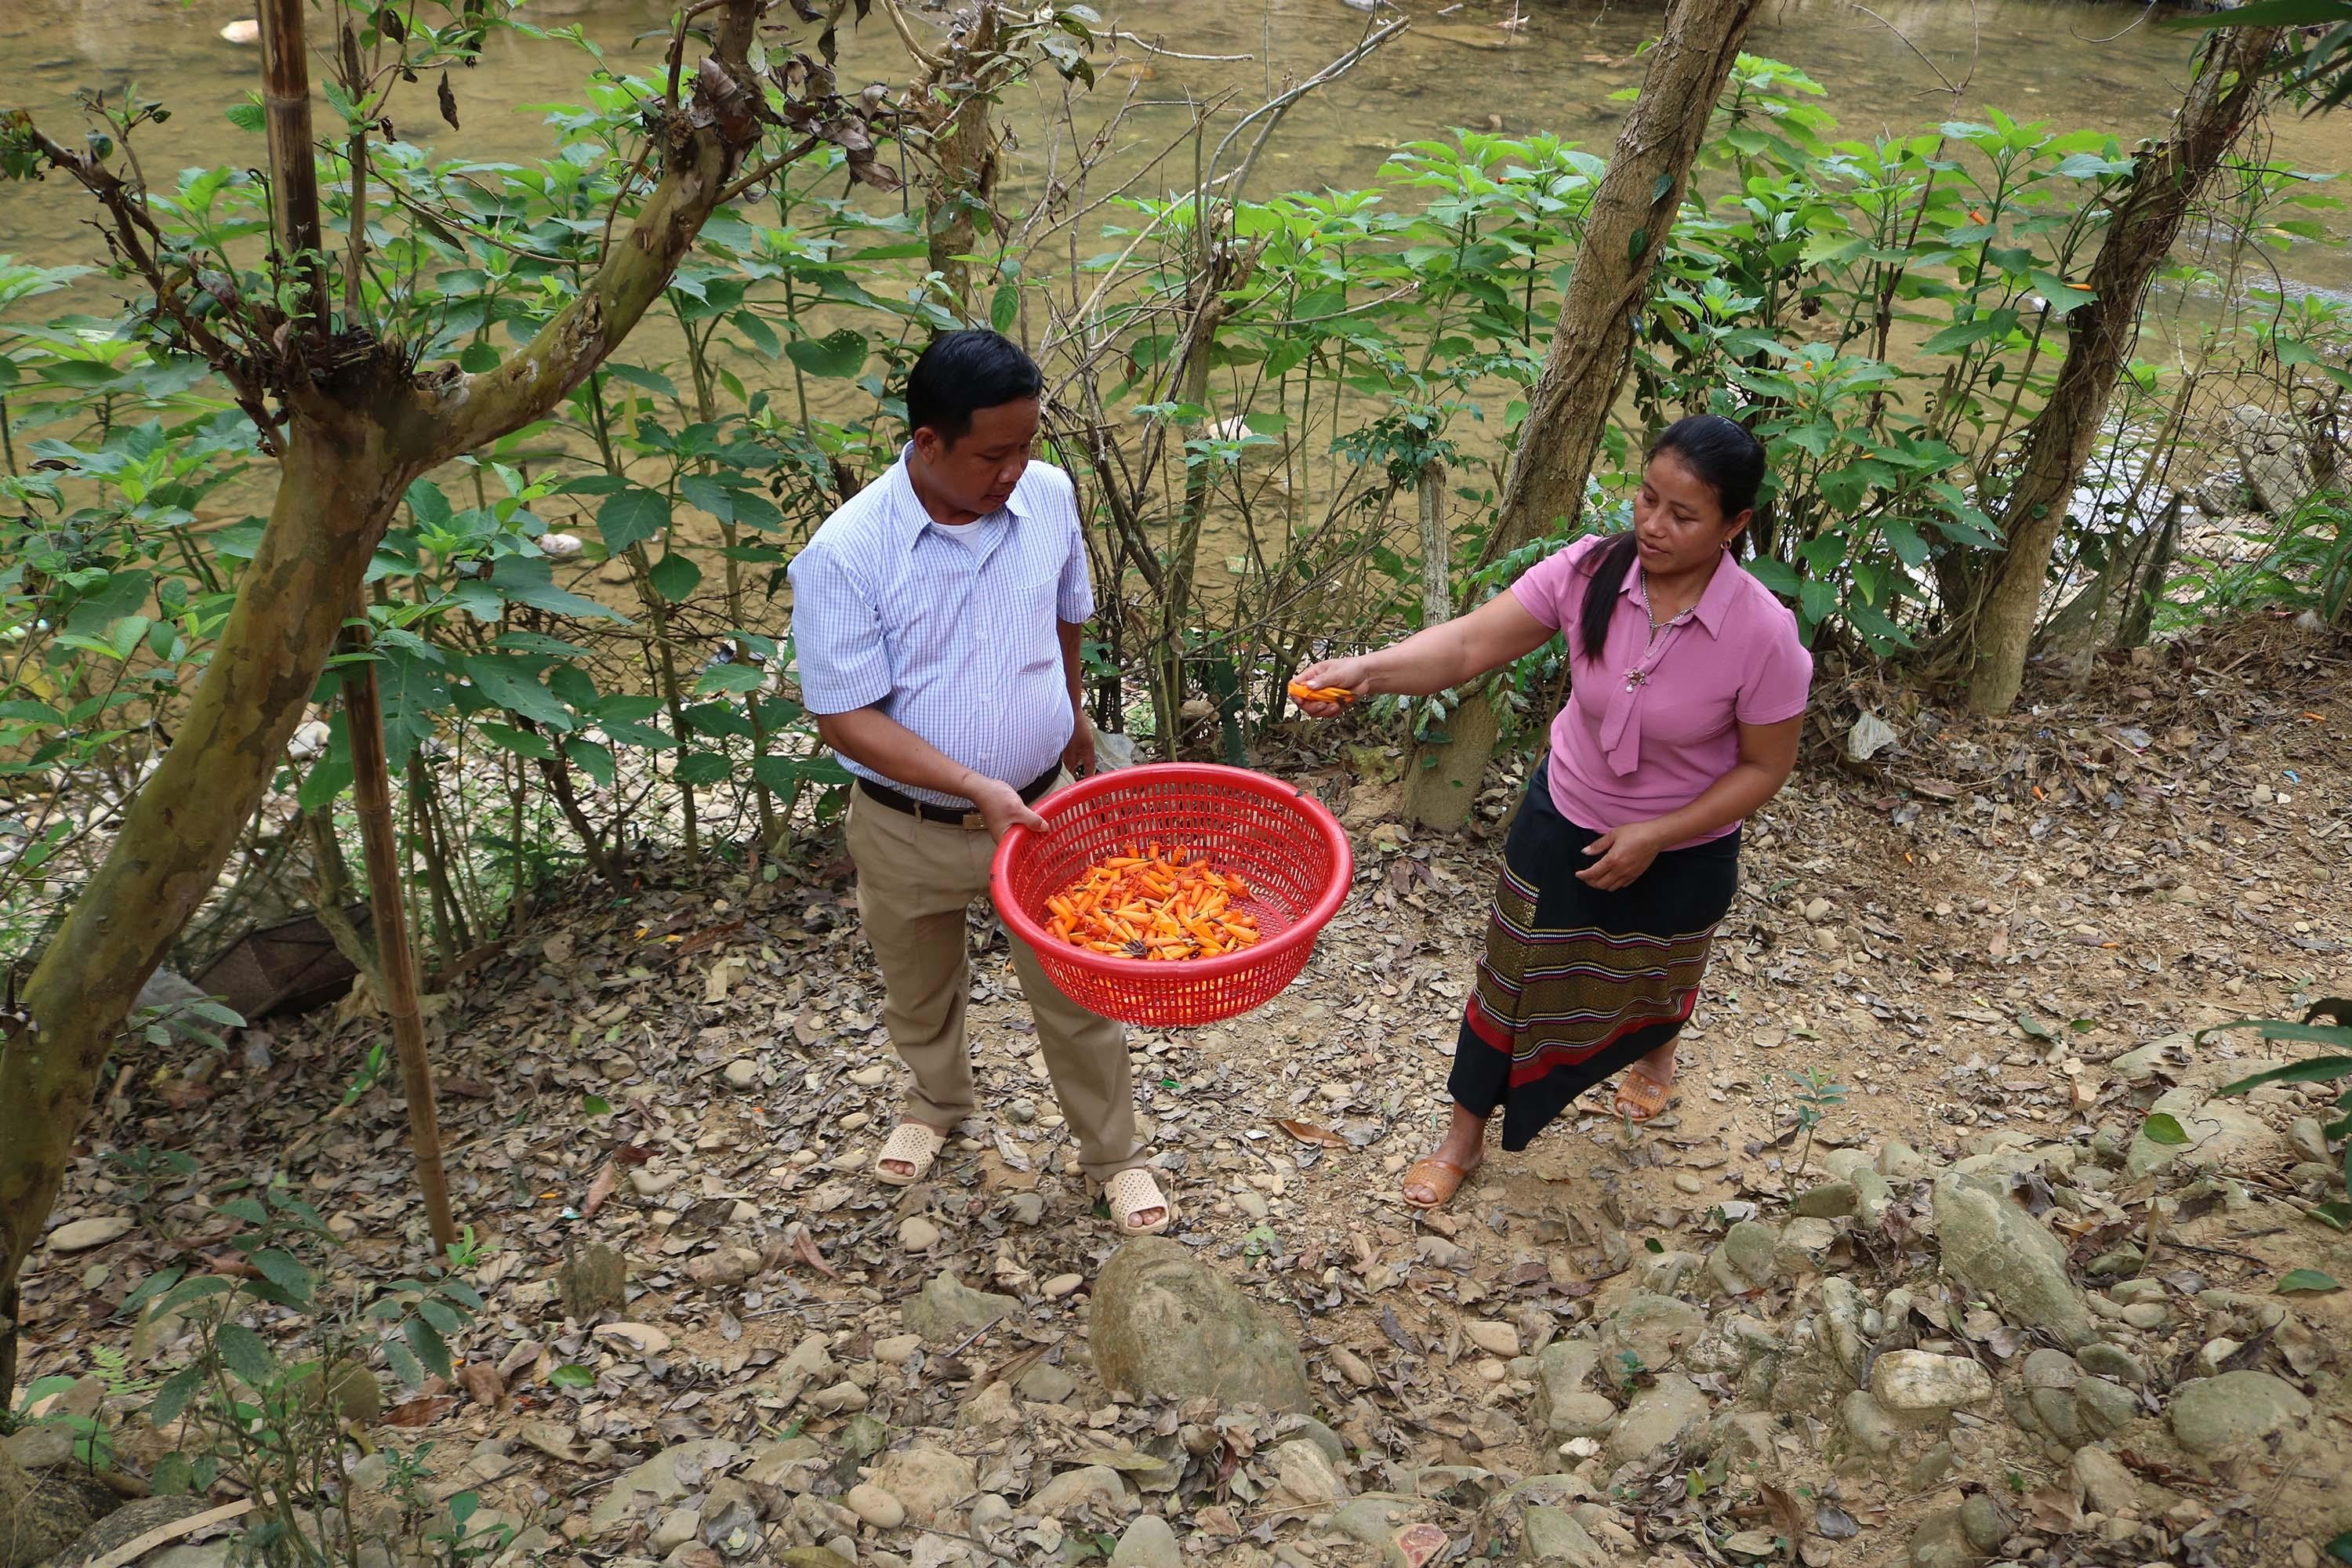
[[173, 1398], [631, 517], [1004, 309], [2316, 1069], [530, 580], [245, 1354], [782, 773], [513, 685], [2161, 1127], [2310, 1280], [521, 742], [2341, 1547], [594, 760], [431, 1352], [840, 355], [572, 1375], [701, 768], [676, 577], [284, 1271], [732, 677]]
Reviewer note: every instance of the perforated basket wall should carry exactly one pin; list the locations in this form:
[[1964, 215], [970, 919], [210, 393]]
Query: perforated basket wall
[[1291, 851]]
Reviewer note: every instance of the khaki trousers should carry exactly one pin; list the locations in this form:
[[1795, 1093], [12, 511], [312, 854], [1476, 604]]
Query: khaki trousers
[[914, 881]]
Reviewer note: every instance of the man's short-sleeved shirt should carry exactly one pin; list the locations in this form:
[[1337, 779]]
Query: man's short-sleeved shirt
[[956, 638], [1643, 731]]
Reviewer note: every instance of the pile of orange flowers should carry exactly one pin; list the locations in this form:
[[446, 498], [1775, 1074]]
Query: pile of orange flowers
[[1158, 903]]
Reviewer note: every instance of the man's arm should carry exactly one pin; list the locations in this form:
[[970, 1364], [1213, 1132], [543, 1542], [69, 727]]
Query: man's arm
[[871, 739], [1078, 756]]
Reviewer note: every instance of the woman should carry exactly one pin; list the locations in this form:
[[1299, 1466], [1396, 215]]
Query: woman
[[1689, 688]]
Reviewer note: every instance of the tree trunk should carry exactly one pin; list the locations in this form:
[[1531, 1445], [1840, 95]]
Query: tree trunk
[[963, 181], [396, 956], [351, 438], [1624, 232], [338, 485], [2227, 91], [1436, 546]]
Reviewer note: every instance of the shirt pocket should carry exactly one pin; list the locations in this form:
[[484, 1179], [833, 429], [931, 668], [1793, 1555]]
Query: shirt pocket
[[1032, 630], [927, 633]]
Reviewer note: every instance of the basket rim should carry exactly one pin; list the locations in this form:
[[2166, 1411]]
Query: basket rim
[[1300, 932]]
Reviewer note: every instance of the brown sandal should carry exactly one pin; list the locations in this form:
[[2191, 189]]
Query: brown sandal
[[1443, 1177], [1640, 1104]]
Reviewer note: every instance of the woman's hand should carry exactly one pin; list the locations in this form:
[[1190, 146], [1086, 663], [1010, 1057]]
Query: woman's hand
[[1347, 674], [1622, 855]]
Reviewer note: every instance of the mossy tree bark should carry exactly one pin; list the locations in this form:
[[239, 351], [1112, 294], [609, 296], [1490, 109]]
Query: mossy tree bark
[[2228, 91], [350, 426], [1625, 231]]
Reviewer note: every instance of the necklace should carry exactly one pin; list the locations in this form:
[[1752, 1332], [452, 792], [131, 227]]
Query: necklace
[[1639, 673]]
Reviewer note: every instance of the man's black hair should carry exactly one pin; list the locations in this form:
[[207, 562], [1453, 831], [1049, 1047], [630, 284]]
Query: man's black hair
[[963, 373]]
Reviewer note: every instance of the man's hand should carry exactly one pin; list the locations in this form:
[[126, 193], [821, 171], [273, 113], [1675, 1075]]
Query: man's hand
[[1078, 756], [999, 805], [1621, 855]]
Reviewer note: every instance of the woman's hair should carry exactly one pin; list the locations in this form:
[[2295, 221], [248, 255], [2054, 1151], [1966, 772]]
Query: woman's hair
[[1725, 458]]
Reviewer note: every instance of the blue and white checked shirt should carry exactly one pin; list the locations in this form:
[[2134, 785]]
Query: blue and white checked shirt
[[958, 644]]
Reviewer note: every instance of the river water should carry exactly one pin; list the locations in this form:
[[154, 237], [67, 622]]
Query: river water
[[1902, 64]]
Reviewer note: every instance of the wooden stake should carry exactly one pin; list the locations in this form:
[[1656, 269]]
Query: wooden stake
[[372, 786]]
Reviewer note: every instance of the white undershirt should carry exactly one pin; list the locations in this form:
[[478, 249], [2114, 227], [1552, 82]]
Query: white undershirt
[[964, 533]]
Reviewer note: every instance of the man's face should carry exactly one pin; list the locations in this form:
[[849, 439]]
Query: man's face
[[977, 472]]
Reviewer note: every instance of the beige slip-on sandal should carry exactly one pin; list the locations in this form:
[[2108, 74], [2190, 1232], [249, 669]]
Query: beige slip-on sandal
[[912, 1144]]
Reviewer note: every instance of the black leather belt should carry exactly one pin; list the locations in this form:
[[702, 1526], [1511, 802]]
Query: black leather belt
[[954, 816]]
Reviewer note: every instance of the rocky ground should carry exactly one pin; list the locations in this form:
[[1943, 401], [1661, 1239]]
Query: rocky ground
[[1974, 1314]]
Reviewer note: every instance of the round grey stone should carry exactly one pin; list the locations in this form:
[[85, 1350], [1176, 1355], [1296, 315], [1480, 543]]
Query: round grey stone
[[2214, 1414]]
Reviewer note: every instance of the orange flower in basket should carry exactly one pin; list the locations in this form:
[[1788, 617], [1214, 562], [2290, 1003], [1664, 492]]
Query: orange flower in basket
[[1158, 903]]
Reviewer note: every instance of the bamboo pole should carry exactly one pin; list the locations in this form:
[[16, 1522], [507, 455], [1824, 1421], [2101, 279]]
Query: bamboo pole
[[371, 788]]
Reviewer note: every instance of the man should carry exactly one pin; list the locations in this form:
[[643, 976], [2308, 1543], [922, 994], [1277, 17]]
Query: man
[[936, 617]]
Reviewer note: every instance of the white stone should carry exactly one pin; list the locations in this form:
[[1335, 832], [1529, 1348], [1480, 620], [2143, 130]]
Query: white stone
[[917, 1234], [1921, 1380], [82, 1235], [1495, 1339], [875, 1506]]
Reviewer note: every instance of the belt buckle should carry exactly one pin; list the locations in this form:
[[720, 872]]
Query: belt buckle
[[973, 822]]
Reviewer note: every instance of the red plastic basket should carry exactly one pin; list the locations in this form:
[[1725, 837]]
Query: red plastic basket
[[1291, 851]]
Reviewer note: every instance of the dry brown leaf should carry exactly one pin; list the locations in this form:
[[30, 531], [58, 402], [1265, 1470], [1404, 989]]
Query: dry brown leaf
[[1308, 1133], [804, 1245], [608, 1182], [420, 1411], [1789, 1519], [481, 1380]]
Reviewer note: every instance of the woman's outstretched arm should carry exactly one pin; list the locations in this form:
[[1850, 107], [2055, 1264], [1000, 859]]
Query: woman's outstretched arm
[[1432, 659]]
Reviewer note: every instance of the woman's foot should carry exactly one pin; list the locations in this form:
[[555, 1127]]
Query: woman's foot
[[1647, 1087], [1432, 1181]]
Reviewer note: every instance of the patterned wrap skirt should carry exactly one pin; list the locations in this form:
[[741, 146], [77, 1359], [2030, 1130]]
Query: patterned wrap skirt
[[1579, 983]]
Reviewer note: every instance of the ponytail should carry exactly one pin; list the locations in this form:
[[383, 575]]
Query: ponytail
[[1611, 562]]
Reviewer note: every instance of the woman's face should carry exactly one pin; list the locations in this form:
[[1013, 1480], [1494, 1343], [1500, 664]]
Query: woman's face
[[1678, 520]]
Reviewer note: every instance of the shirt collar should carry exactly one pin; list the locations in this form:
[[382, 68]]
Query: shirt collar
[[909, 514], [1713, 606]]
